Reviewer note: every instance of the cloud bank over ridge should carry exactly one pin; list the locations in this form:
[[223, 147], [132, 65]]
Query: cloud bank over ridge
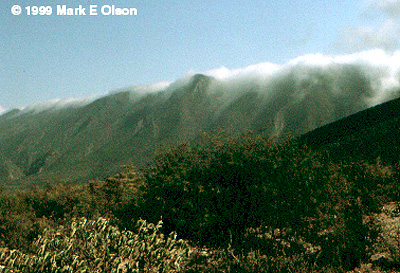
[[350, 82], [57, 104], [377, 70]]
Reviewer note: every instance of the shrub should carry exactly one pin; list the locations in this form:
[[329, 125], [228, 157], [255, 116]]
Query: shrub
[[213, 191], [97, 246]]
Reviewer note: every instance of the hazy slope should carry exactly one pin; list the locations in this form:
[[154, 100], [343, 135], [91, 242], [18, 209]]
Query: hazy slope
[[76, 142]]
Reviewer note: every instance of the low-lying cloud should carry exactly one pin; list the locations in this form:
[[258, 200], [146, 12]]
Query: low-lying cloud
[[144, 89], [137, 91], [2, 110], [311, 90], [300, 95], [57, 104], [375, 75]]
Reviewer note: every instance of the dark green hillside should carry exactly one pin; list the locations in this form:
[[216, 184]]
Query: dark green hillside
[[366, 135]]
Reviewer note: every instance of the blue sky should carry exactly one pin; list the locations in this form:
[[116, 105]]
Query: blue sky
[[48, 57]]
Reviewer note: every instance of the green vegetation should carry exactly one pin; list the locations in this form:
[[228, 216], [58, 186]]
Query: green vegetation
[[229, 204], [214, 194], [95, 245]]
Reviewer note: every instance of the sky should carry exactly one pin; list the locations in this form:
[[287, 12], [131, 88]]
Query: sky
[[47, 57]]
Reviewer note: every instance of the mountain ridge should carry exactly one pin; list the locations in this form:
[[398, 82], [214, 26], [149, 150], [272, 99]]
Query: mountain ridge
[[83, 142]]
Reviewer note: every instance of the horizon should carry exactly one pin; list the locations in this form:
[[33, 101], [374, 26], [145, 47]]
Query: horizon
[[68, 57]]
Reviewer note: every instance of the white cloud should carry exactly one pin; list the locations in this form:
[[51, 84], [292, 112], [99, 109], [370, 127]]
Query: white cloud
[[318, 87], [55, 104], [369, 76], [389, 7], [379, 69], [384, 34], [312, 60], [254, 71], [151, 88], [2, 110]]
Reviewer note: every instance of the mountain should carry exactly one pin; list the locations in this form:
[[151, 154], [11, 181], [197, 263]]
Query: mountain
[[82, 142]]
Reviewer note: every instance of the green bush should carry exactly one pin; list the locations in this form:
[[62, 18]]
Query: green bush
[[97, 246], [213, 191]]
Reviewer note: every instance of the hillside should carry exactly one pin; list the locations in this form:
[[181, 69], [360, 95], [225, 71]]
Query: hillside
[[365, 135], [82, 142]]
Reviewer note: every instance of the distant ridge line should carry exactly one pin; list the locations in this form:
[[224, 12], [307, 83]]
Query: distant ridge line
[[332, 132]]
